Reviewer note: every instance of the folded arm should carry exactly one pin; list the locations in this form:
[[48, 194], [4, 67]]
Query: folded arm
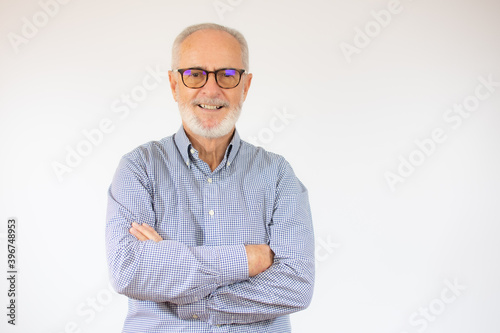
[[259, 256], [164, 271], [283, 288]]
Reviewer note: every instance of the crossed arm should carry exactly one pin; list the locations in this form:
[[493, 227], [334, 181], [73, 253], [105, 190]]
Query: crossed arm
[[219, 284], [269, 292], [260, 257]]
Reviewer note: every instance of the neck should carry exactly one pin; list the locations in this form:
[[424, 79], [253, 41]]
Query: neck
[[210, 150]]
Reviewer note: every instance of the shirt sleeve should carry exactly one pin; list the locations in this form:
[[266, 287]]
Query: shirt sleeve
[[285, 287], [167, 271]]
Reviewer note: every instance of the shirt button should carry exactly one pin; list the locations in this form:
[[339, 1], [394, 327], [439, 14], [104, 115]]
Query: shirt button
[[195, 316], [192, 151], [211, 212], [209, 180], [187, 163], [228, 163]]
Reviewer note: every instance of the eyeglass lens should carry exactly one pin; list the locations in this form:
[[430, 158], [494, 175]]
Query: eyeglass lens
[[226, 78]]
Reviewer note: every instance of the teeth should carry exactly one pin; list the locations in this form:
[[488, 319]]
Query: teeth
[[209, 107]]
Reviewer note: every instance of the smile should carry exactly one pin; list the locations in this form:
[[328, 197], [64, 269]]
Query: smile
[[209, 107]]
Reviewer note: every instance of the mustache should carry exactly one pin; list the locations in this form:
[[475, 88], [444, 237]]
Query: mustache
[[210, 101]]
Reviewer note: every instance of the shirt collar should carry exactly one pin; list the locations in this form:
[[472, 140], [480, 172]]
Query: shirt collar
[[184, 145], [233, 147]]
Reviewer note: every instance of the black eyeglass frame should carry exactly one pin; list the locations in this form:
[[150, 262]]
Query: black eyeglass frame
[[182, 70]]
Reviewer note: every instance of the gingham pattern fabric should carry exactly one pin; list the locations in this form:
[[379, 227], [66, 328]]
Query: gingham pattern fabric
[[196, 279]]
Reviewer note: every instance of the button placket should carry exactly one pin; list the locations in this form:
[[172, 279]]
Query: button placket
[[210, 207]]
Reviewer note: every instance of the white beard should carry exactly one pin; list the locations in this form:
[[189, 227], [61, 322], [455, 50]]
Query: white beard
[[225, 126]]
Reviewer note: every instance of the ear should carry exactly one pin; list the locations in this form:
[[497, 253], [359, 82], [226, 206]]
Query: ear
[[248, 81], [172, 77]]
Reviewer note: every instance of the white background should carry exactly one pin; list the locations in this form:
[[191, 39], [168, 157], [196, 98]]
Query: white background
[[384, 255]]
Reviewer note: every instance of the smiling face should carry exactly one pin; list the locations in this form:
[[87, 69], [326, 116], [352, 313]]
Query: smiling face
[[210, 111]]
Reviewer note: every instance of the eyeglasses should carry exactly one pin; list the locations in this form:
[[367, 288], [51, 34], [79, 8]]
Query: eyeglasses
[[226, 78]]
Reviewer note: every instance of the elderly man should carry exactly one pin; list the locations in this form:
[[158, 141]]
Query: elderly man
[[206, 232]]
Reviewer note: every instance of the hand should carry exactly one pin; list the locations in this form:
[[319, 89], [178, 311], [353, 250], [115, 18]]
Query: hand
[[144, 232], [260, 257]]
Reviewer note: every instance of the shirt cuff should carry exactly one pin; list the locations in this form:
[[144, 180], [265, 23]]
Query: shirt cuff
[[194, 311], [233, 264]]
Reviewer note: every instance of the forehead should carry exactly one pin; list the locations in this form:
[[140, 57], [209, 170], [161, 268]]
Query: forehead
[[210, 49]]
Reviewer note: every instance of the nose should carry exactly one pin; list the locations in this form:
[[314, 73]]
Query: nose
[[211, 88]]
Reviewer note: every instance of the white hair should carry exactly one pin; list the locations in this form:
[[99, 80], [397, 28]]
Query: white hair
[[209, 26]]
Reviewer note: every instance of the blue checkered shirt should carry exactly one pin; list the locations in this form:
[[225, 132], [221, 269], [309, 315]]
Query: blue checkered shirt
[[196, 279]]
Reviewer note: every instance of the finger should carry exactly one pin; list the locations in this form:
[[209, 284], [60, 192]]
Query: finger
[[139, 235], [148, 231], [140, 232], [151, 233], [143, 228], [148, 227]]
